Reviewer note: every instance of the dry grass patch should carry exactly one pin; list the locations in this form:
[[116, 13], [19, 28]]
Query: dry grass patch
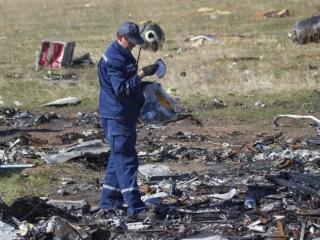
[[93, 26]]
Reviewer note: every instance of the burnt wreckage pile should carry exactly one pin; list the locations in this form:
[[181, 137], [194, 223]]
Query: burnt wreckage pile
[[268, 189]]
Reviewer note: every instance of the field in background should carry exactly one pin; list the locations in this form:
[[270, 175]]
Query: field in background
[[210, 71]]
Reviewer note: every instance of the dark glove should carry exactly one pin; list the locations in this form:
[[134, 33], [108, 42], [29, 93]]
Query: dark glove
[[150, 69]]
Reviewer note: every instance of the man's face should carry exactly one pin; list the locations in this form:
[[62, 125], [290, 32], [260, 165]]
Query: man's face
[[125, 42]]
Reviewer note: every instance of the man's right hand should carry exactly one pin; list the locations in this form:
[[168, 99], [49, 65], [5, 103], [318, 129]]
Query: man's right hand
[[150, 69]]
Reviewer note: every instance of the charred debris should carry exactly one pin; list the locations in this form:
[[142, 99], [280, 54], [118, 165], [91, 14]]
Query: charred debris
[[267, 189]]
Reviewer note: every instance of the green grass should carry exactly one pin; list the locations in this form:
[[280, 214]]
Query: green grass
[[93, 28], [243, 107], [43, 181], [14, 184]]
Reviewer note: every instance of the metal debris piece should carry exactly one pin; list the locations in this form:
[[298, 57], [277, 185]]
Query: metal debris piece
[[14, 144], [3, 157], [295, 186], [80, 206], [152, 34], [273, 14], [63, 102], [267, 140], [207, 11], [97, 143], [260, 104], [256, 226], [306, 30], [275, 124], [62, 157], [7, 231], [215, 36], [154, 198], [309, 180], [76, 151], [46, 118], [82, 60], [62, 229], [224, 196], [148, 171], [137, 226], [16, 166], [27, 208], [55, 76]]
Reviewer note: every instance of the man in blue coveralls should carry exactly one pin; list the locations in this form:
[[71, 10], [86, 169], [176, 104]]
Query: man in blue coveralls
[[120, 100]]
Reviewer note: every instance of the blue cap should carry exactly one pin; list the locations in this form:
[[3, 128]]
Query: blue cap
[[131, 30]]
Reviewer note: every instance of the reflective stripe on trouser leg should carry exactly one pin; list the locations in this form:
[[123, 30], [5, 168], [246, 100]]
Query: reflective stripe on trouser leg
[[111, 196], [122, 138]]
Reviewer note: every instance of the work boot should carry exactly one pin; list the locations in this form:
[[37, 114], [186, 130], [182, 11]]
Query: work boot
[[110, 213], [141, 216]]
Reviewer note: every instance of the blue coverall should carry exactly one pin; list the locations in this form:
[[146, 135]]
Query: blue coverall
[[120, 100]]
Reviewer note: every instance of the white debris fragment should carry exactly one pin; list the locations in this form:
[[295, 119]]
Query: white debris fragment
[[63, 101], [260, 104], [3, 156], [137, 226], [256, 227], [206, 236], [17, 103], [225, 196], [149, 170], [84, 145], [7, 231], [154, 198]]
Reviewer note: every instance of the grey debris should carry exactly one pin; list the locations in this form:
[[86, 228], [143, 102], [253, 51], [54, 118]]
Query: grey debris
[[63, 102]]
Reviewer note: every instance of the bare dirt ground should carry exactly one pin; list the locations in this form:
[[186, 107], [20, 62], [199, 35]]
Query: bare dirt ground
[[214, 132]]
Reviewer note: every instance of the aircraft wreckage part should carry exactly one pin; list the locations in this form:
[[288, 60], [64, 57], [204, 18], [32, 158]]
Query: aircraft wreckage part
[[63, 102], [152, 35], [295, 186], [56, 54], [273, 14], [27, 208], [80, 205], [62, 229], [7, 231], [275, 124], [78, 150], [306, 30], [62, 157], [92, 143], [302, 178], [16, 166]]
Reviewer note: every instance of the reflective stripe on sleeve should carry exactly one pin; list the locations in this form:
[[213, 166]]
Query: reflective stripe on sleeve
[[127, 89], [105, 58]]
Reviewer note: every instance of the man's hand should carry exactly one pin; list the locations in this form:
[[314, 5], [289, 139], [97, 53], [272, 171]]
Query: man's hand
[[150, 69]]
